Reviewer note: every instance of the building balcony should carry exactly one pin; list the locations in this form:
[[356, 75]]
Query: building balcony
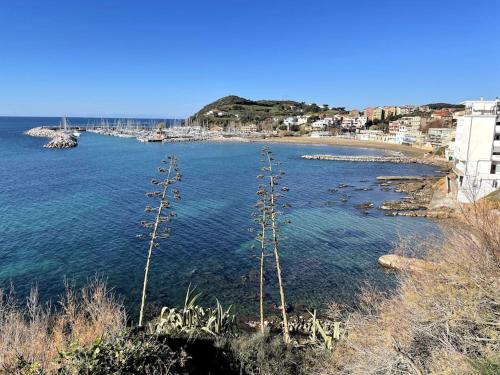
[[496, 146], [497, 129], [495, 157]]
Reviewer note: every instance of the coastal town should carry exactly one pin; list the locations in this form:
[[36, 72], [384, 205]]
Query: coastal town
[[466, 135]]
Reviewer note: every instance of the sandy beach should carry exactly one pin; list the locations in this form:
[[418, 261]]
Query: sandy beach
[[335, 141]]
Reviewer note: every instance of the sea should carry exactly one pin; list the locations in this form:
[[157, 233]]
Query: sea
[[72, 215]]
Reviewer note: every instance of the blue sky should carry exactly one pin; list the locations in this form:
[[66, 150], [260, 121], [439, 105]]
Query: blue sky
[[168, 58]]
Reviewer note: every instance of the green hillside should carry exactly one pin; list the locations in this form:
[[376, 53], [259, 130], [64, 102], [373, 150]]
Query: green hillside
[[235, 108]]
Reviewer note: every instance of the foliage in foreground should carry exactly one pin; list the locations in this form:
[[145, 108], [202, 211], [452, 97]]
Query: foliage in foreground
[[31, 337], [444, 320]]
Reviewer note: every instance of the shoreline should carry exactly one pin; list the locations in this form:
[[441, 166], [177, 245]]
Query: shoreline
[[335, 141]]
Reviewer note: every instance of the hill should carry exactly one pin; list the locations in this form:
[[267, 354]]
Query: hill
[[444, 105], [235, 108]]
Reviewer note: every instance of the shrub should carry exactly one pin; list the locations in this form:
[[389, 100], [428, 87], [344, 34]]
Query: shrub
[[443, 320], [32, 336]]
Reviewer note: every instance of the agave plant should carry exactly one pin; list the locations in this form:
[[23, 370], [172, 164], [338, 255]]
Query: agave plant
[[159, 228], [193, 319], [326, 333]]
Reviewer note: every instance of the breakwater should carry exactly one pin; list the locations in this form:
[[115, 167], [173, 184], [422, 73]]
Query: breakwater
[[378, 159], [58, 138]]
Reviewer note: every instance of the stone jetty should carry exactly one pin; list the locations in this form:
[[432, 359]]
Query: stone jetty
[[59, 138], [377, 159]]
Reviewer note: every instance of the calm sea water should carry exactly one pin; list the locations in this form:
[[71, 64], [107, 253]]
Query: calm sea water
[[75, 213]]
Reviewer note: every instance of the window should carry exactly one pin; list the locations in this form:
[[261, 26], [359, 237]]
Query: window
[[461, 179], [493, 168], [495, 184]]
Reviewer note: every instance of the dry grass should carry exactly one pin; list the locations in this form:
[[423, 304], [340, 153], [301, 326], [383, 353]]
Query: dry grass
[[445, 321], [36, 334]]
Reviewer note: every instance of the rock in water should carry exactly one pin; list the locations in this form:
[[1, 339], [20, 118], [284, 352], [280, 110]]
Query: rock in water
[[401, 263]]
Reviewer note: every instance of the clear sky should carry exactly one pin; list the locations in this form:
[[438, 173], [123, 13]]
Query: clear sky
[[169, 58]]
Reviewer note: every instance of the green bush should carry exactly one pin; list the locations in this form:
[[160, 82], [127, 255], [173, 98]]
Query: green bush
[[128, 354]]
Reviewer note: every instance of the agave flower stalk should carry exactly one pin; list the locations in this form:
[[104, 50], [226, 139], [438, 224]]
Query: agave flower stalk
[[159, 230], [269, 204], [262, 220]]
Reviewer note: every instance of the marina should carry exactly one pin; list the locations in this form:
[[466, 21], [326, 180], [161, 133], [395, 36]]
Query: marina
[[65, 135]]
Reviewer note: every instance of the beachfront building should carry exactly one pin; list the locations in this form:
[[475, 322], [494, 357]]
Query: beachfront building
[[322, 124], [353, 122], [370, 135], [477, 150], [440, 137]]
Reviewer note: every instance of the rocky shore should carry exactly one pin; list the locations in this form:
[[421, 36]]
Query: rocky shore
[[59, 138], [419, 193]]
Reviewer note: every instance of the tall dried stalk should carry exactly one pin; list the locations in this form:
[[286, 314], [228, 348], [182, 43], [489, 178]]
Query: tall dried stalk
[[262, 240], [268, 206], [160, 230]]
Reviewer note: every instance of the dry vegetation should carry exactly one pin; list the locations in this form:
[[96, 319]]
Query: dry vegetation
[[445, 321], [34, 335]]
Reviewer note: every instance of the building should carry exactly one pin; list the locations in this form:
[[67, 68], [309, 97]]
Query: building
[[248, 128], [411, 122], [393, 127], [378, 113], [442, 114], [368, 112], [374, 113], [406, 109], [216, 112], [390, 111], [440, 137], [357, 122], [322, 124], [370, 135], [301, 120], [477, 150], [290, 121]]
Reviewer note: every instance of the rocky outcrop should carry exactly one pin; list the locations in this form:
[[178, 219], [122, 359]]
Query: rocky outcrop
[[62, 142], [59, 138]]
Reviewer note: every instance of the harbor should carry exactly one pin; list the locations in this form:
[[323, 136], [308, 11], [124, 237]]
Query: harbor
[[65, 135]]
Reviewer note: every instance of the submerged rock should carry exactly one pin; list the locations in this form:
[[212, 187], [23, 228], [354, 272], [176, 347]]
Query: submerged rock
[[402, 263], [364, 206]]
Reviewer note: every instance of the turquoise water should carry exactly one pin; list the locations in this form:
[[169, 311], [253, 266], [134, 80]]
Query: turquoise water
[[75, 213]]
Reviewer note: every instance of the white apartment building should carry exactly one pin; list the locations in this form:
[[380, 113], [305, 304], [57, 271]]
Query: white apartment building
[[477, 149], [356, 122], [322, 123]]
